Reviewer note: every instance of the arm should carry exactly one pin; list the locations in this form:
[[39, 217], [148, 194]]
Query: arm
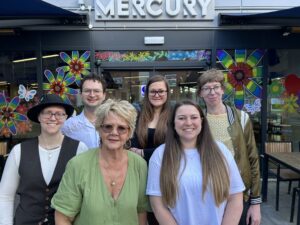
[[162, 213], [61, 219], [254, 214], [254, 162], [142, 218], [233, 210], [8, 186]]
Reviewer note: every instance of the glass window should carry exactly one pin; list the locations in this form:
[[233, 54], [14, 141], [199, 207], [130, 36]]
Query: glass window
[[284, 96], [18, 88]]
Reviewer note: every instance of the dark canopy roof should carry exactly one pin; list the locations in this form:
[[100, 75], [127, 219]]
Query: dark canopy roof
[[285, 17], [18, 13]]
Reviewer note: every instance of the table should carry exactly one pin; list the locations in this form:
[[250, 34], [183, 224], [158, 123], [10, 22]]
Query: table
[[290, 160]]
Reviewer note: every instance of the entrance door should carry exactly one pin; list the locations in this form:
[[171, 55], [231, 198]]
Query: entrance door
[[130, 84]]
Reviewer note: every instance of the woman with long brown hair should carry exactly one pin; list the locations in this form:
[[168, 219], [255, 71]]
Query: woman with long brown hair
[[192, 179], [151, 125]]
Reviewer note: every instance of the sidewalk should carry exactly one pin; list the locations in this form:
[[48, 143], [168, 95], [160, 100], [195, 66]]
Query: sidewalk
[[282, 217]]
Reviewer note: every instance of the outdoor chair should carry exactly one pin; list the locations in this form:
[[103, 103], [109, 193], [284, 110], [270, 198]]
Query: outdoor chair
[[296, 190], [281, 173]]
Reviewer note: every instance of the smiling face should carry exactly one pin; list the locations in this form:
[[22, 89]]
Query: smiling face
[[51, 119], [158, 94], [92, 93], [212, 93], [188, 124], [114, 132]]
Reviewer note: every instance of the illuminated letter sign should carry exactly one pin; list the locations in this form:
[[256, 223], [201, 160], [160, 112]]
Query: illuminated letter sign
[[154, 9]]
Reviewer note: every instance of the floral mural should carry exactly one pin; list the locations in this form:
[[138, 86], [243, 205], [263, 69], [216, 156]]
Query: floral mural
[[10, 118], [151, 56], [60, 84], [77, 65], [242, 74]]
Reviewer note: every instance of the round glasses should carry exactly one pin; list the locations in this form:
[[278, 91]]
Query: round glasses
[[208, 90], [90, 91], [158, 92], [108, 128], [57, 115]]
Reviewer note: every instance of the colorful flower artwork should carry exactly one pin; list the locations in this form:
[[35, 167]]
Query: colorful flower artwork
[[290, 104], [8, 115], [242, 74], [59, 86], [152, 56], [276, 88], [77, 65]]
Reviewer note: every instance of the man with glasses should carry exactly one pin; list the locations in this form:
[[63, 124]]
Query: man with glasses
[[237, 134], [82, 127]]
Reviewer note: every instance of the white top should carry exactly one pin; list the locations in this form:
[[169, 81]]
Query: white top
[[190, 208], [80, 128], [10, 177]]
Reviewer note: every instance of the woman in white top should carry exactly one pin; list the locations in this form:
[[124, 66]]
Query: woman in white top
[[193, 180], [34, 168]]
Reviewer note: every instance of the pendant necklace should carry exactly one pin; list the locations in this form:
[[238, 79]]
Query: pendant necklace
[[49, 149]]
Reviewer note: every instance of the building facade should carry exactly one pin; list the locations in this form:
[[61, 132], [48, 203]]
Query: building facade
[[127, 41]]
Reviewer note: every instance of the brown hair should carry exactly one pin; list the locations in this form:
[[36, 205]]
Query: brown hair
[[147, 115], [93, 77], [211, 75], [214, 166]]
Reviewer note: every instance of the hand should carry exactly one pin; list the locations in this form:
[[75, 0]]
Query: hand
[[138, 151], [254, 214]]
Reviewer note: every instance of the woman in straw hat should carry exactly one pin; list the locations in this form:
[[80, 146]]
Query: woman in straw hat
[[34, 168]]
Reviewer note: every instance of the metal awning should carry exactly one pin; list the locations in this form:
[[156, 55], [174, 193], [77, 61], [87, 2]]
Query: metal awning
[[282, 18], [20, 13]]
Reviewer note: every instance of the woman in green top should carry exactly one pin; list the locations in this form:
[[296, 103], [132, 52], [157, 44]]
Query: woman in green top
[[107, 185]]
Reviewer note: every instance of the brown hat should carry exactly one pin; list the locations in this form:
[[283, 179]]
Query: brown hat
[[46, 101]]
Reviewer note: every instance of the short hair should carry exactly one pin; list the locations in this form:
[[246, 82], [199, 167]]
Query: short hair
[[94, 77], [121, 108], [211, 75]]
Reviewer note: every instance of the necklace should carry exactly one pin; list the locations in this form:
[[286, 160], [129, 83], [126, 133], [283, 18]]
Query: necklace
[[112, 172], [44, 143]]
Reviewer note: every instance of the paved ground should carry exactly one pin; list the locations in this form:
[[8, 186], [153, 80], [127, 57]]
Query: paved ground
[[282, 217]]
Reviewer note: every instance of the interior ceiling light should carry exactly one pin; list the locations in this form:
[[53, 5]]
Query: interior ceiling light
[[34, 58]]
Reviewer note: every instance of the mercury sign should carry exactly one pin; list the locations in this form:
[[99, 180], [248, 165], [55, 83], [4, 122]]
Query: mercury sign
[[154, 9]]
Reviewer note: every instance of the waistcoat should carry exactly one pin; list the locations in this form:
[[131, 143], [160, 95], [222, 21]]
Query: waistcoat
[[35, 195]]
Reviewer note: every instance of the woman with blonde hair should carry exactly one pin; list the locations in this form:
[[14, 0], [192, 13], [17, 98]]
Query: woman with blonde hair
[[191, 178], [107, 184]]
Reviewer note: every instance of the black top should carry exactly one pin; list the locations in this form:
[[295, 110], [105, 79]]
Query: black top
[[150, 147]]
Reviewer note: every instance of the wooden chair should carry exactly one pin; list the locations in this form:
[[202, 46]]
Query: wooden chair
[[3, 155], [281, 173]]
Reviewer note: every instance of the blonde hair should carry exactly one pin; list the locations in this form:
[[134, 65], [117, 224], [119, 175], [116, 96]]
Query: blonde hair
[[121, 108], [214, 166], [211, 75]]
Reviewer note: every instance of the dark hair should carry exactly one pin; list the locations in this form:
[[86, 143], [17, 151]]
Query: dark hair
[[214, 167], [147, 114], [94, 77]]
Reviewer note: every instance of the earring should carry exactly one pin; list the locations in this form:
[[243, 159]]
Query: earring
[[127, 144]]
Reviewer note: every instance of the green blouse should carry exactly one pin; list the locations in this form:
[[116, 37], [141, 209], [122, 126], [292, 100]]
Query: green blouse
[[84, 195]]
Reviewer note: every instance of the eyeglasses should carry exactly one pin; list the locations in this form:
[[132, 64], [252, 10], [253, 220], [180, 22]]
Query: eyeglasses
[[108, 128], [207, 90], [57, 115], [159, 92], [90, 91]]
